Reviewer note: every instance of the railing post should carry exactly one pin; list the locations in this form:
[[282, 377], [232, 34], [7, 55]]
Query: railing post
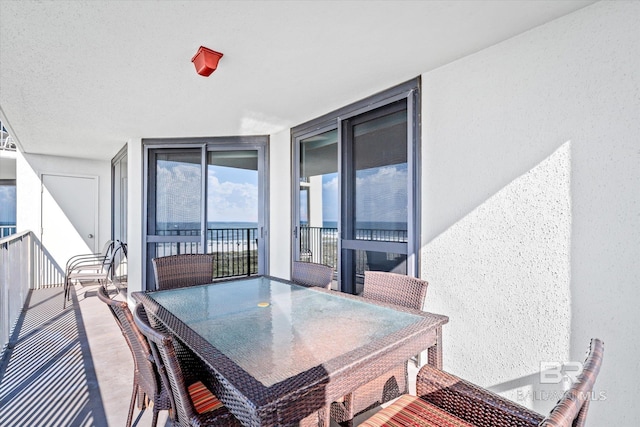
[[248, 252]]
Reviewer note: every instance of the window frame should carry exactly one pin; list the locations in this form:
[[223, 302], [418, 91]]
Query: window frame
[[259, 143]]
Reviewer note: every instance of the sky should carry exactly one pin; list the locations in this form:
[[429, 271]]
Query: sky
[[232, 193], [381, 195]]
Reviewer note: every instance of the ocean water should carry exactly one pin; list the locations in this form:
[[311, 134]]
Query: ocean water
[[175, 226], [366, 225]]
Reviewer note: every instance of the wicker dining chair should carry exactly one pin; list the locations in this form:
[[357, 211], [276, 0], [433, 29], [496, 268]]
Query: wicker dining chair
[[312, 274], [177, 271], [396, 289], [185, 375], [446, 400], [146, 382]]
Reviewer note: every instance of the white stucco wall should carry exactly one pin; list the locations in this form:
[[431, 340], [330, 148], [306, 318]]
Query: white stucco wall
[[29, 169], [531, 206], [280, 204], [315, 201], [135, 215]]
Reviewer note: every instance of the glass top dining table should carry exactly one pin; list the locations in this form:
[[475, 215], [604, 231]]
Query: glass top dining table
[[282, 351]]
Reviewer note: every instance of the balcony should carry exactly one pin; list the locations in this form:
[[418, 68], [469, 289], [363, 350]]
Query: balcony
[[526, 216]]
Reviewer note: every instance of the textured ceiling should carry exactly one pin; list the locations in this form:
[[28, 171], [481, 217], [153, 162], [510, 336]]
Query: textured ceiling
[[79, 78]]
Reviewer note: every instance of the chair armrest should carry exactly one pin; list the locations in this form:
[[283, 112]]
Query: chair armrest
[[470, 402]]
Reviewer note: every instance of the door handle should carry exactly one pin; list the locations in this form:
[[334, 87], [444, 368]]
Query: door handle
[[90, 236]]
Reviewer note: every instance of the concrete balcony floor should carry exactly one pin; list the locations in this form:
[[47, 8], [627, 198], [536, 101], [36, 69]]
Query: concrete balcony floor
[[68, 367], [72, 367]]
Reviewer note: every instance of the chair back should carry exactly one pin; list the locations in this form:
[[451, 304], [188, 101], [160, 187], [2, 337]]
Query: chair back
[[312, 274], [145, 369], [571, 409], [108, 259], [165, 351], [177, 271], [395, 289], [107, 248], [108, 255], [91, 261], [114, 259], [123, 246]]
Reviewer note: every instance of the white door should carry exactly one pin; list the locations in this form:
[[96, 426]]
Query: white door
[[69, 216]]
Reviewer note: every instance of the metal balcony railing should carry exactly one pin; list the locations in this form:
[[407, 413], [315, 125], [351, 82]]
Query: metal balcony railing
[[24, 265], [320, 244], [235, 249], [6, 141], [7, 230]]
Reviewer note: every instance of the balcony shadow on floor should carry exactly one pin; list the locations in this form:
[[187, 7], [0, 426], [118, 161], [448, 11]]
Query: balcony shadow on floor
[[47, 376]]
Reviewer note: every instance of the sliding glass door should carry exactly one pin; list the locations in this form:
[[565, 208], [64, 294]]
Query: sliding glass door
[[375, 194], [234, 230], [208, 198], [318, 199], [357, 186]]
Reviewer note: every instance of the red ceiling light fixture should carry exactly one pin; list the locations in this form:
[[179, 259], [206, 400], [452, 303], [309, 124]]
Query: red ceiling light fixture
[[206, 61]]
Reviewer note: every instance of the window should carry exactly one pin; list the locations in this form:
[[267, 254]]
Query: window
[[7, 207], [208, 196]]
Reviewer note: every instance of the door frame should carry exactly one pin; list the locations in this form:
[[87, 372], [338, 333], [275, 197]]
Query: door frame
[[347, 241], [263, 199], [119, 200], [410, 91]]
